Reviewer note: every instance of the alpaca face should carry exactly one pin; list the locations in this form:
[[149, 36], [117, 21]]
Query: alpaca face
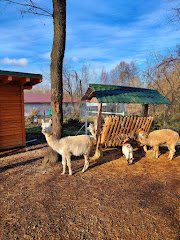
[[91, 128], [46, 127], [142, 135]]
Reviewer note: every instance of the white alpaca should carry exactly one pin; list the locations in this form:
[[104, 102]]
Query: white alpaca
[[68, 146], [127, 150]]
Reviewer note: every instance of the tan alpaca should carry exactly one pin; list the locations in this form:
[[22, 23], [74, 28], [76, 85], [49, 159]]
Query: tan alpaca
[[68, 146], [156, 138]]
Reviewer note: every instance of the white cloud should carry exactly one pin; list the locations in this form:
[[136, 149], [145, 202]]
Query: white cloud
[[15, 62], [46, 55], [75, 59]]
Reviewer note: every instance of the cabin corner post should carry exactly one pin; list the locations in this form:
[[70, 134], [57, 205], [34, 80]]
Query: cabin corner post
[[145, 110]]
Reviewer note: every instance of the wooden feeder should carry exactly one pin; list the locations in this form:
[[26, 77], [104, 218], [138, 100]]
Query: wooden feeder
[[114, 129], [12, 123]]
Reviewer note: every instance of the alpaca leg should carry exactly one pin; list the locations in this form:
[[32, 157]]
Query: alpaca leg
[[64, 165], [127, 156], [145, 148], [169, 151], [86, 164], [69, 165], [130, 161], [172, 151], [156, 151]]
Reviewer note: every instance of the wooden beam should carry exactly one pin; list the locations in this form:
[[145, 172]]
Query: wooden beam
[[24, 81], [27, 87], [99, 119], [145, 110], [93, 100], [98, 152], [7, 79], [23, 117]]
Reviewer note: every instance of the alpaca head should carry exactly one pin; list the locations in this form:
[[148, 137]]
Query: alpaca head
[[92, 130], [142, 134], [126, 140], [46, 127]]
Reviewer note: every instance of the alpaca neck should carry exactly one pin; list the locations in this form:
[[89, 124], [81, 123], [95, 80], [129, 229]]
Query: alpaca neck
[[146, 141], [92, 131], [52, 141]]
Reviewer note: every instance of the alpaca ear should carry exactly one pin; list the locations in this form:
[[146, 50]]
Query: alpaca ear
[[50, 121], [140, 134], [42, 121]]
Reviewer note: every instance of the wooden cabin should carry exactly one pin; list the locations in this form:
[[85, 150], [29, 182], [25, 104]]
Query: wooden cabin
[[12, 122]]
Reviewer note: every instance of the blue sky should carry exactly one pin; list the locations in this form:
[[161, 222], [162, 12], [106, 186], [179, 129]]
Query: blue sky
[[99, 32]]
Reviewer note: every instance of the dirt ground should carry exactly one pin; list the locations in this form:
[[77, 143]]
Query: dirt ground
[[110, 201]]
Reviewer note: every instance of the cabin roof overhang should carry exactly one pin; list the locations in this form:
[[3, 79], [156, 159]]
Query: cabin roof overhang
[[26, 80], [122, 94]]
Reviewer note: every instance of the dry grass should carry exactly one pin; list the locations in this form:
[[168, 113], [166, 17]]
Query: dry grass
[[110, 201]]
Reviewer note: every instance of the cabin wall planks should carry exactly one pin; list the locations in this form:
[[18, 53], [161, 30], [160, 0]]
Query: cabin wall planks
[[12, 125]]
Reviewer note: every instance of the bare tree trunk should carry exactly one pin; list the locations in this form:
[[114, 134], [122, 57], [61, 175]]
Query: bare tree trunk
[[57, 56]]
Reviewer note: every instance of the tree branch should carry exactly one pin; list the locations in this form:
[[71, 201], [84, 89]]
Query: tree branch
[[168, 61], [32, 8]]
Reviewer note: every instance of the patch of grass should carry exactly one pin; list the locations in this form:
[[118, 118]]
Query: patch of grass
[[33, 133], [33, 130]]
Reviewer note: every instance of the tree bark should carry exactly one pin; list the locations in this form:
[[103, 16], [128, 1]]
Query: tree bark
[[57, 56]]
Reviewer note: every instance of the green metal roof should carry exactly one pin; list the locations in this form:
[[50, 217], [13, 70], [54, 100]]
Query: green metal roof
[[123, 94], [20, 74]]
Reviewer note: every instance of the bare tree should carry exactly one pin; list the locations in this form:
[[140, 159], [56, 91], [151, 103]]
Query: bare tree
[[163, 75], [75, 84], [68, 79], [57, 54], [124, 74], [175, 15], [104, 76]]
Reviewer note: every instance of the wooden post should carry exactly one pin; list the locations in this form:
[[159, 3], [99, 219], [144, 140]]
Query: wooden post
[[99, 120], [86, 118], [145, 110], [98, 152]]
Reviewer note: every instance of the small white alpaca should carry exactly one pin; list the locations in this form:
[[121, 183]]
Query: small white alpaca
[[127, 150], [68, 146]]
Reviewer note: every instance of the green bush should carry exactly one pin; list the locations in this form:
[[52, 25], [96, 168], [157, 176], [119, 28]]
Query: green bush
[[172, 122]]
